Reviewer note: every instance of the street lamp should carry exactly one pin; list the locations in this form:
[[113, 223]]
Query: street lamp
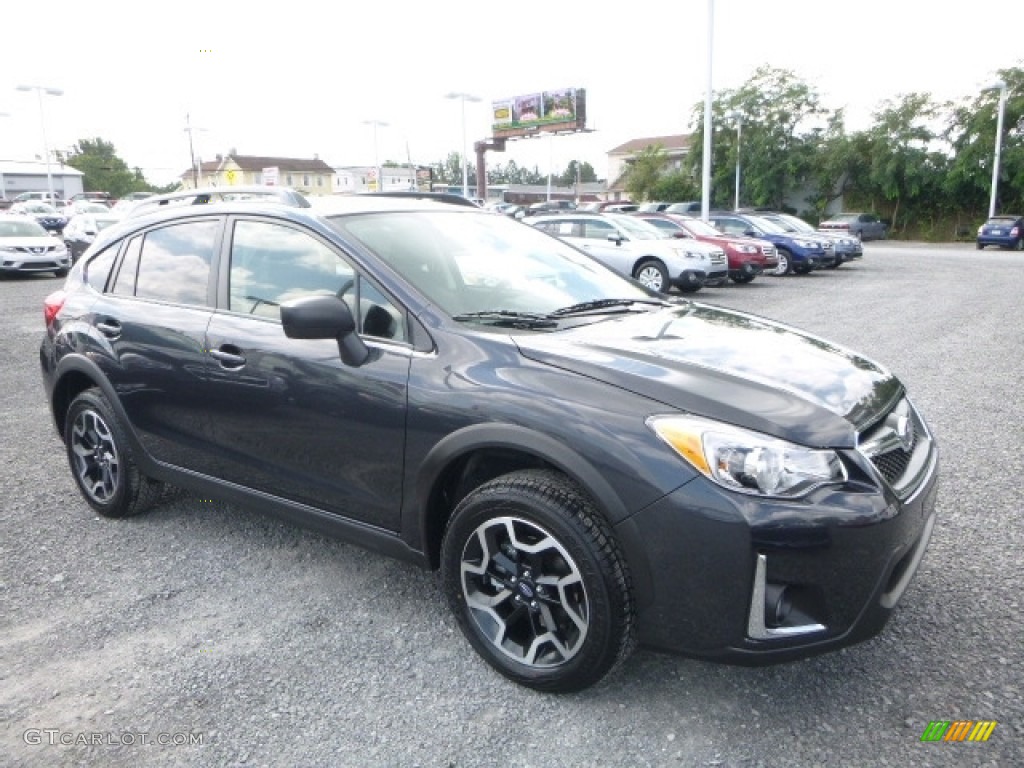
[[3, 181], [189, 129], [464, 97], [376, 158], [738, 118], [705, 186], [40, 90], [1000, 86]]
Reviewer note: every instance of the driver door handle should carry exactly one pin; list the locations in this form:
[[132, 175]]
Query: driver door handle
[[229, 356]]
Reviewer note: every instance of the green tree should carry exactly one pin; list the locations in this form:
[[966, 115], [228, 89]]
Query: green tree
[[907, 162], [644, 172], [675, 188], [103, 170], [778, 114], [971, 131], [568, 177]]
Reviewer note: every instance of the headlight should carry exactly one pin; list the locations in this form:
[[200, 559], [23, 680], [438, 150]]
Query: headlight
[[685, 254], [807, 243], [746, 461], [743, 248]]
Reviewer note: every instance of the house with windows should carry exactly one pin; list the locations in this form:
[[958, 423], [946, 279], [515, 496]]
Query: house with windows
[[309, 176], [675, 147]]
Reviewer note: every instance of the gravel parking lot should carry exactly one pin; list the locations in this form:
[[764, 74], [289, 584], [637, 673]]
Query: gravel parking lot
[[201, 634]]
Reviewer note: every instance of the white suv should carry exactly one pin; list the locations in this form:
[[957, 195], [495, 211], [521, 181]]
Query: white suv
[[641, 251]]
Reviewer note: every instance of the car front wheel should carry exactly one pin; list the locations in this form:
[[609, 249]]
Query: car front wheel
[[785, 265], [538, 582], [101, 459], [653, 275]]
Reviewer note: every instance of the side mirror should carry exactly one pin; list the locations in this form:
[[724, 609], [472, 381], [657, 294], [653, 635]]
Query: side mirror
[[616, 238], [680, 234], [325, 317]]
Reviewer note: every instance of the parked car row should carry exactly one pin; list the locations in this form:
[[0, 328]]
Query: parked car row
[[639, 250]]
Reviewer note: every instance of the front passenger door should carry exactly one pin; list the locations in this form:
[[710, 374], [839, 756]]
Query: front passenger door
[[290, 417]]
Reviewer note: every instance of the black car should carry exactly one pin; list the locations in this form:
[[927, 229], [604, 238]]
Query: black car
[[590, 464]]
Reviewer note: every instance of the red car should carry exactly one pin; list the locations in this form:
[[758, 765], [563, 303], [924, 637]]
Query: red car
[[748, 256]]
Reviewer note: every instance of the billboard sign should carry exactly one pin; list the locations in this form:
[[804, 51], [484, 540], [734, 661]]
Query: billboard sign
[[270, 176], [544, 112]]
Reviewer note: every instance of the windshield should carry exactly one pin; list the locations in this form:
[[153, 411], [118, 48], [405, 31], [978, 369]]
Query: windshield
[[701, 228], [637, 229], [467, 262], [793, 223], [767, 226], [17, 228]]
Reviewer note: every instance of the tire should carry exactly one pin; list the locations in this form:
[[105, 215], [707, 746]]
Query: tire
[[653, 275], [101, 459], [60, 272], [506, 545], [1020, 245], [785, 266], [743, 278], [981, 247]]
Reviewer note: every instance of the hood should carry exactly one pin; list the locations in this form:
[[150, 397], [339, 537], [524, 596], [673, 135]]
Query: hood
[[734, 367]]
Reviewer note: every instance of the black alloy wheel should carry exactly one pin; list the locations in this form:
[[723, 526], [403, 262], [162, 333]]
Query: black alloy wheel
[[538, 583], [101, 460]]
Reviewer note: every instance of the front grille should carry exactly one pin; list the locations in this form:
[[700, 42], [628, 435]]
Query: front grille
[[35, 249], [891, 443], [718, 257], [768, 250]]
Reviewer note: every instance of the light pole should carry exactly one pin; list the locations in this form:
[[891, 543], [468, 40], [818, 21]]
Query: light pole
[[189, 128], [40, 90], [705, 186], [464, 97], [1000, 86], [3, 181], [376, 157], [738, 118]]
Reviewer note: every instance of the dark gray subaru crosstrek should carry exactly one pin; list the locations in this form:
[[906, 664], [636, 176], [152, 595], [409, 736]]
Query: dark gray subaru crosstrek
[[590, 464]]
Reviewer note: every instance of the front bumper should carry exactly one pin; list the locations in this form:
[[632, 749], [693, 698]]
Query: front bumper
[[843, 555], [20, 263]]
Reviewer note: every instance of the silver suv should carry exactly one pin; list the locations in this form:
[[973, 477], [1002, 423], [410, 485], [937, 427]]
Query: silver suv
[[639, 250]]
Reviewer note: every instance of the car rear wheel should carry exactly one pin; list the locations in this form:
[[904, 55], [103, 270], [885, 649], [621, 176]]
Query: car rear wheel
[[653, 275], [785, 266], [101, 459], [538, 583]]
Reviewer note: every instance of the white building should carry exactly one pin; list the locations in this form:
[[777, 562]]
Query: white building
[[30, 176]]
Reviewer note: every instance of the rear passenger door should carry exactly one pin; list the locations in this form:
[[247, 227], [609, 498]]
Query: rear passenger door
[[287, 416], [153, 318]]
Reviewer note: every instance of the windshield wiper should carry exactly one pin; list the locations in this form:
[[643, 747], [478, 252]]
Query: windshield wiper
[[600, 304], [509, 318]]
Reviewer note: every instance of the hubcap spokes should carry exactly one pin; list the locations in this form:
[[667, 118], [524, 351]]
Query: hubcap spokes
[[94, 454], [525, 592], [650, 278]]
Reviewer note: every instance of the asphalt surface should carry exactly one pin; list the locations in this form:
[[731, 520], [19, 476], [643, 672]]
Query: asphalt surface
[[274, 646]]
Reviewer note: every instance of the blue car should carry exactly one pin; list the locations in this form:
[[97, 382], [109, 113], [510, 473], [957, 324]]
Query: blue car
[[1004, 231], [797, 251]]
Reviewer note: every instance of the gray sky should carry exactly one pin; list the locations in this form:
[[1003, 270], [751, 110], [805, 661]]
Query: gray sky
[[301, 77]]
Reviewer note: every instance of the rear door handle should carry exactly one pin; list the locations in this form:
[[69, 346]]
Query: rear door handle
[[109, 328], [229, 356]]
